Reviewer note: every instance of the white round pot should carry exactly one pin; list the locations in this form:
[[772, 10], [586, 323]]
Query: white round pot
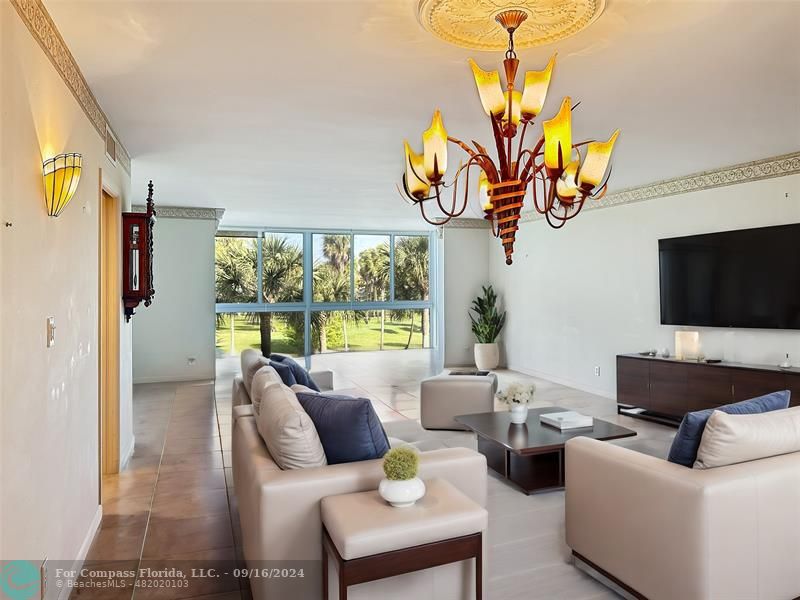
[[401, 493], [519, 413], [487, 356]]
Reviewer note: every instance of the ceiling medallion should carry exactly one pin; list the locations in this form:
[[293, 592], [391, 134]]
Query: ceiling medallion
[[560, 175], [464, 22]]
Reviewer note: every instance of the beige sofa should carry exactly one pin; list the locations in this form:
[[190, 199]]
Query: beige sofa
[[252, 360], [666, 532], [280, 510]]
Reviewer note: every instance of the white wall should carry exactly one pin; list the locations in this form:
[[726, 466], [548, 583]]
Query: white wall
[[579, 296], [48, 267], [466, 269], [180, 322]]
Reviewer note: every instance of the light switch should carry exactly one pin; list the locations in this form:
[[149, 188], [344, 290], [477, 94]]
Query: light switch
[[51, 331]]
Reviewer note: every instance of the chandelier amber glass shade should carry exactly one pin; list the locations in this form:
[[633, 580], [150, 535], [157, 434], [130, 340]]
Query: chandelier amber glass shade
[[567, 184], [489, 90], [434, 144], [416, 182], [61, 174], [558, 138], [554, 175], [598, 155], [483, 192], [535, 91]]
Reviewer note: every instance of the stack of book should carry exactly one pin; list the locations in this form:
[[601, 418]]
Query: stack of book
[[566, 420]]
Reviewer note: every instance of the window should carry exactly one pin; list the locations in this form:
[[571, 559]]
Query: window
[[236, 268], [372, 267], [279, 332], [302, 293], [331, 267], [282, 273], [411, 265]]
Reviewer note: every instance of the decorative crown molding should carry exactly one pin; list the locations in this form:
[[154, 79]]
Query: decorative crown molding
[[464, 223], [767, 168], [185, 212], [44, 31]]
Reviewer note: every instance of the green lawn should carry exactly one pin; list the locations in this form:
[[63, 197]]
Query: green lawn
[[362, 336]]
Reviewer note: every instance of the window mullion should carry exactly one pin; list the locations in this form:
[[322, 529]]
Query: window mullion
[[260, 267], [391, 268]]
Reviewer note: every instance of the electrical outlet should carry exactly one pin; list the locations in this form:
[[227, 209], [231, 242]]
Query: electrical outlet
[[191, 360], [597, 371]]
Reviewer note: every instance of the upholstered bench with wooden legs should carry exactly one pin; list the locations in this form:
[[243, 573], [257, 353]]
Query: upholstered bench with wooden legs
[[369, 540]]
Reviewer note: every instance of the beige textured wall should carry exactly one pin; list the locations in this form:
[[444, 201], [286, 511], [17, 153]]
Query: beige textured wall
[[48, 267]]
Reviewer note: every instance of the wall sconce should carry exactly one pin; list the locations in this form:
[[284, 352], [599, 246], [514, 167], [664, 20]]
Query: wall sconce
[[61, 176]]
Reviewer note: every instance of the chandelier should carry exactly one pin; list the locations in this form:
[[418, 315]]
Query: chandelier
[[560, 175]]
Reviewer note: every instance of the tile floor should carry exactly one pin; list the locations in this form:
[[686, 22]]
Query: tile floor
[[174, 505]]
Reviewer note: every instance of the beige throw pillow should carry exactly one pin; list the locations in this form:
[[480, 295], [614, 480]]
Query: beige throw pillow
[[730, 439], [288, 431], [263, 378], [251, 364]]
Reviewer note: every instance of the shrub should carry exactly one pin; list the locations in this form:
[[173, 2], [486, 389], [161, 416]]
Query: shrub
[[400, 464]]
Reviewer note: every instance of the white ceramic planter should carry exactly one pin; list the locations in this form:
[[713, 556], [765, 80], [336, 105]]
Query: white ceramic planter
[[519, 413], [401, 493], [487, 356]]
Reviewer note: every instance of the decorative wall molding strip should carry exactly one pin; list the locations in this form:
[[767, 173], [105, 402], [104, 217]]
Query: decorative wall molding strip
[[467, 224], [184, 212], [767, 168], [41, 26]]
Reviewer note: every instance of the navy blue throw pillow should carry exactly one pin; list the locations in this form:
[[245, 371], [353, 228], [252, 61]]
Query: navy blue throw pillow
[[687, 440], [348, 427], [300, 374], [284, 372]]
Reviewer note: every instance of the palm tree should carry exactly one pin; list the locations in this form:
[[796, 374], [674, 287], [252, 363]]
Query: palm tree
[[411, 282], [372, 278], [234, 276], [281, 280]]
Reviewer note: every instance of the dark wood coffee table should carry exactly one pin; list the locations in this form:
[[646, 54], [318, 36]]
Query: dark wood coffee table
[[531, 455]]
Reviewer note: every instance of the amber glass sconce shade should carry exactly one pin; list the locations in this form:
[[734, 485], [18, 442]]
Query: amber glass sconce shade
[[61, 176]]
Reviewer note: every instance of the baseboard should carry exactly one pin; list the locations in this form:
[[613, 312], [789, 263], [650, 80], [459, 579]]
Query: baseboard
[[77, 565], [564, 381], [126, 455], [173, 379]]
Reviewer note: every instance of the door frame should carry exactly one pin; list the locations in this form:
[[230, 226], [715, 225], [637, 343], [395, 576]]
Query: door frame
[[109, 295]]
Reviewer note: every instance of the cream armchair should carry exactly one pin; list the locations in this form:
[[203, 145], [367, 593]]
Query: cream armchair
[[667, 532], [282, 528]]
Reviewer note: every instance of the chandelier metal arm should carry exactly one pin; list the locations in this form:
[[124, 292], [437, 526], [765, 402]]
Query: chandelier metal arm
[[505, 172]]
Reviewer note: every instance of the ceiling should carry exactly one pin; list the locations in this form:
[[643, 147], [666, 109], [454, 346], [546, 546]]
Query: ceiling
[[293, 113]]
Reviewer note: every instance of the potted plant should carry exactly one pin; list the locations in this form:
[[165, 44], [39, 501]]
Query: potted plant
[[486, 325], [401, 487], [518, 397]]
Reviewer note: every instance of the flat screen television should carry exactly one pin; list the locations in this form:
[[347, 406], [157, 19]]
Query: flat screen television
[[747, 278]]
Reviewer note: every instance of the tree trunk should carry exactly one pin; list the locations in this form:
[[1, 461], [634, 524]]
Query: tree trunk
[[265, 325], [425, 327], [383, 324], [232, 318], [344, 333], [410, 331], [323, 337]]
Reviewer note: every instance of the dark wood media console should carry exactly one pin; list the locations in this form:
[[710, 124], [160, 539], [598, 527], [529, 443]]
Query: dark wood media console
[[667, 388]]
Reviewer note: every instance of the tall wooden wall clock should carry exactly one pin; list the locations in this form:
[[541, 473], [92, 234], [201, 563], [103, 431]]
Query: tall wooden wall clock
[[137, 256]]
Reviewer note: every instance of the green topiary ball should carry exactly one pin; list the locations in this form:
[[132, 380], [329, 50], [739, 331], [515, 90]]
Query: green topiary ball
[[401, 464]]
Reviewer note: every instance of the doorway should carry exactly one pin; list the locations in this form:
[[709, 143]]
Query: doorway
[[109, 307]]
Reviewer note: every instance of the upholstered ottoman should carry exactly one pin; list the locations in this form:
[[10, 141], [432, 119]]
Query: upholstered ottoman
[[447, 395], [370, 540]]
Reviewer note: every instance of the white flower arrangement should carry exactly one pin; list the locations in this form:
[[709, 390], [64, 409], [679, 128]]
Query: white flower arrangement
[[517, 394]]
